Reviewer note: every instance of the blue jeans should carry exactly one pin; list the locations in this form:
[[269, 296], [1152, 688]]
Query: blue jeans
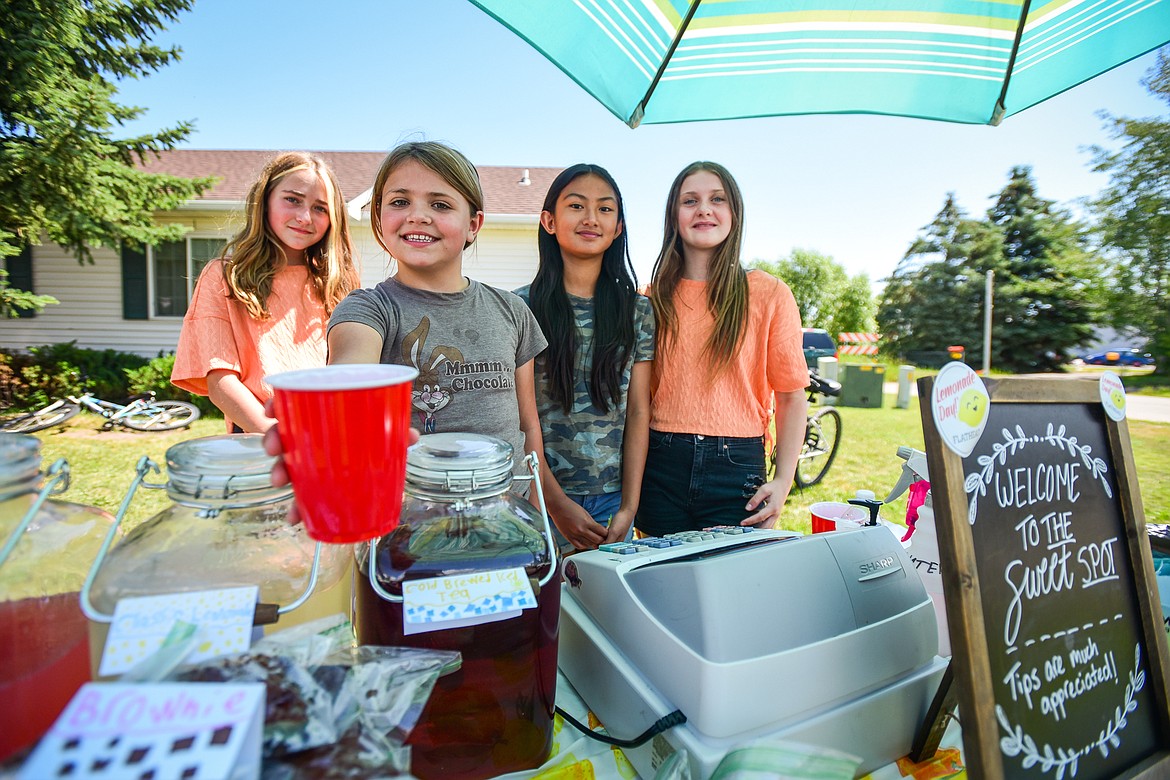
[[694, 481], [601, 507]]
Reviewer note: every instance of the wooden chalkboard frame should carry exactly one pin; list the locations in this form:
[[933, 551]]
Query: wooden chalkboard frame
[[968, 630]]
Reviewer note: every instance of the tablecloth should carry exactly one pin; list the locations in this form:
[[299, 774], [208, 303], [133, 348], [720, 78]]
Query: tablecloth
[[578, 757]]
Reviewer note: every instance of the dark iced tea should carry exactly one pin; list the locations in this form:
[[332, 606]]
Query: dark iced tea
[[493, 715]]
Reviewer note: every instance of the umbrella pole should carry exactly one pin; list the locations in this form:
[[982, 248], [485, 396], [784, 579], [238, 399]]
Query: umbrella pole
[[998, 114], [640, 110]]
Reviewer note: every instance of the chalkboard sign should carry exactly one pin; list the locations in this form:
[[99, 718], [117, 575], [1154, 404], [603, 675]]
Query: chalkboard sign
[[1059, 652]]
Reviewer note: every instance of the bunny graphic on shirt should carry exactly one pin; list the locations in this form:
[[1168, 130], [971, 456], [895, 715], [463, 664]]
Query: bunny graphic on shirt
[[428, 396]]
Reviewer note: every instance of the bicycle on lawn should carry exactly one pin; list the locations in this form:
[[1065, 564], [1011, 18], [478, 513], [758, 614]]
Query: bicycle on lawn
[[822, 435], [140, 413]]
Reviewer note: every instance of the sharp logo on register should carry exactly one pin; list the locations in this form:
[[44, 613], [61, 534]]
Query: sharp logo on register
[[878, 564]]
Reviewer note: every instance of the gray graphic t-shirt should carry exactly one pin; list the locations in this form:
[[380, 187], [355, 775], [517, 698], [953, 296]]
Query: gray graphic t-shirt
[[584, 448], [466, 347]]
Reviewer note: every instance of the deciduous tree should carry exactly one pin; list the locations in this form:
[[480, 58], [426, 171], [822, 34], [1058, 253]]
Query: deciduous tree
[[825, 293], [1133, 219]]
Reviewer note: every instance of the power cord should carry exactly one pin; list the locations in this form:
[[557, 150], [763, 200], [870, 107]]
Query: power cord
[[675, 718]]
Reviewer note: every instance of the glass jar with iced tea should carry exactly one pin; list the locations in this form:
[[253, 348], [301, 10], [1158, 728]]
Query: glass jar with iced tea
[[460, 518], [47, 547], [226, 527]]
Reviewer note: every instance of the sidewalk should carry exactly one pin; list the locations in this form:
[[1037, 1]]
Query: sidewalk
[[1147, 408]]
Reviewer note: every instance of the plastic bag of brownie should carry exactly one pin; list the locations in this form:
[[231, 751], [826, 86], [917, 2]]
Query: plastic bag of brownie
[[333, 710]]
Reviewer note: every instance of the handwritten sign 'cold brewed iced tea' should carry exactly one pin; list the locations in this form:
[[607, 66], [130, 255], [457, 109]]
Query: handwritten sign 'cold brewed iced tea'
[[1060, 661]]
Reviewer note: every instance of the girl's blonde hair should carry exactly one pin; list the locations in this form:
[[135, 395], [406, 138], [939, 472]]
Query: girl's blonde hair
[[727, 288], [448, 164], [253, 256]]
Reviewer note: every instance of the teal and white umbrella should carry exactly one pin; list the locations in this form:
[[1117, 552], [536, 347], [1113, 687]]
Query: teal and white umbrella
[[973, 61]]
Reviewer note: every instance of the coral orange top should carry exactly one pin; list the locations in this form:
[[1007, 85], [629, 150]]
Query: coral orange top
[[738, 401], [218, 333]]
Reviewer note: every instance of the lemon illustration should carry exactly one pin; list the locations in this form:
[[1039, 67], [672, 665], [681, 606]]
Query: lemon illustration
[[972, 407]]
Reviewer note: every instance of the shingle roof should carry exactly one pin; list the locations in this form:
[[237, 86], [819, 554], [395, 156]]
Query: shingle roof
[[238, 168]]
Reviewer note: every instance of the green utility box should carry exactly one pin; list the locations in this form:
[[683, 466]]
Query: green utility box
[[861, 384]]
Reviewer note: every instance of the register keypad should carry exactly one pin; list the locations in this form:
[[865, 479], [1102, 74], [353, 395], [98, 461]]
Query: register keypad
[[673, 540]]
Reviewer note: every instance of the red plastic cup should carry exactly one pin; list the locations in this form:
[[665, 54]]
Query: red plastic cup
[[836, 516], [344, 432]]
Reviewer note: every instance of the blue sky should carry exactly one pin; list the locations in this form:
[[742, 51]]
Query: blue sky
[[363, 75]]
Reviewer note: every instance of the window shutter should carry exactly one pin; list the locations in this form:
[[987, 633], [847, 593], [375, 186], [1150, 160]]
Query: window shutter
[[134, 288], [20, 276]]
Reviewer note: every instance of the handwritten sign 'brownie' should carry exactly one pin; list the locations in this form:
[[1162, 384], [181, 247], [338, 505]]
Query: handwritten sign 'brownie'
[[1061, 672]]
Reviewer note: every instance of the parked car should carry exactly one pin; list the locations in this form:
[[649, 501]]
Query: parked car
[[1120, 357], [818, 344]]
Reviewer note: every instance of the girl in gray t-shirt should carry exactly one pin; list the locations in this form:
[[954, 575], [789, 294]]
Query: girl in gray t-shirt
[[473, 345]]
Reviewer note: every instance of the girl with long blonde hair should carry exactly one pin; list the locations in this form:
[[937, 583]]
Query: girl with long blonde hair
[[729, 351], [262, 307]]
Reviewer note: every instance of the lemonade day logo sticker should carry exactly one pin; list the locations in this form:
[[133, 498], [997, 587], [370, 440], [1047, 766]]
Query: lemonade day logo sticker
[[1112, 396], [960, 404]]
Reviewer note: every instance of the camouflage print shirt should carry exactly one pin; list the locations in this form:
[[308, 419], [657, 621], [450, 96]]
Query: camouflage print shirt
[[584, 448]]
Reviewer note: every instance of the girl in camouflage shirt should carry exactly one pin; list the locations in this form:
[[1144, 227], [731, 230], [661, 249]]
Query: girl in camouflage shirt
[[593, 380]]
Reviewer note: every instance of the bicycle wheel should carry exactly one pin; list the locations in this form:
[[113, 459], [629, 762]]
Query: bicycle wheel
[[54, 414], [822, 436], [162, 416]]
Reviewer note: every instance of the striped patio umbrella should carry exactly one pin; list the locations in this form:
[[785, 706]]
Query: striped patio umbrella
[[972, 61]]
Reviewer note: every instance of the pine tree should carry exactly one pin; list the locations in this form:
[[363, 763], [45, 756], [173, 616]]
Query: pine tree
[[65, 174], [935, 297], [1044, 307]]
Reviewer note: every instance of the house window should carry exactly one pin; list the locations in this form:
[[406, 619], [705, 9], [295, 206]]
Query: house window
[[176, 266], [20, 276]]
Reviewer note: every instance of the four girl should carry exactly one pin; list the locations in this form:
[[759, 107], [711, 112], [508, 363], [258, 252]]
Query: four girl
[[593, 381], [728, 346], [262, 307]]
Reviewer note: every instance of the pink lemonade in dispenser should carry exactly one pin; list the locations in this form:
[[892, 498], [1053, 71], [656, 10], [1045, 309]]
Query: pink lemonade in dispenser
[[45, 552], [494, 715], [44, 659]]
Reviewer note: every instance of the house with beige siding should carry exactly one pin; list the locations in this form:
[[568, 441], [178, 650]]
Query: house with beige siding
[[134, 301]]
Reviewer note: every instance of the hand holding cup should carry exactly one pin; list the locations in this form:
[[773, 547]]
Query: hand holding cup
[[341, 437]]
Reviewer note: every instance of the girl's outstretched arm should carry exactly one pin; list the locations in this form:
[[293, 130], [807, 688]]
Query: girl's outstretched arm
[[574, 523], [354, 342], [236, 401], [635, 442], [791, 411]]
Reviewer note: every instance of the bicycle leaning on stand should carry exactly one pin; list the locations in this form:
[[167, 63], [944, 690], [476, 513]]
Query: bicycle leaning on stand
[[140, 413], [822, 435]]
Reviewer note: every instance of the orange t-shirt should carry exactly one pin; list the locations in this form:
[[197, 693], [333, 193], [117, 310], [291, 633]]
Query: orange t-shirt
[[218, 333], [737, 402]]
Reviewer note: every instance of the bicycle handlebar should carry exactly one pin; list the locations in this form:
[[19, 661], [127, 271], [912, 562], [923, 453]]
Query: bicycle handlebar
[[822, 385]]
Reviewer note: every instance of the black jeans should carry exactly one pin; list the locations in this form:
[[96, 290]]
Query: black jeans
[[694, 481]]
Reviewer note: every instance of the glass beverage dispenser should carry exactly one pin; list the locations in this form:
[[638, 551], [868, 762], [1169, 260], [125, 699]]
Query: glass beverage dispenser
[[227, 527], [459, 521], [47, 547]]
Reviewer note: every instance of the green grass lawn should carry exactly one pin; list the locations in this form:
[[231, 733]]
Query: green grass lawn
[[868, 460], [103, 462]]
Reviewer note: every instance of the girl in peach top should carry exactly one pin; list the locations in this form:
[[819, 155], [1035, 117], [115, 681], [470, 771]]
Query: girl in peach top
[[729, 350], [262, 308]]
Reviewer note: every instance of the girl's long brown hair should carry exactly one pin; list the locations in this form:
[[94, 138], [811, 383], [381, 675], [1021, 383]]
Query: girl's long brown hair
[[253, 256], [727, 288]]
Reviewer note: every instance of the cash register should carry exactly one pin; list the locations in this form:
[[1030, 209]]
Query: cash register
[[754, 635]]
